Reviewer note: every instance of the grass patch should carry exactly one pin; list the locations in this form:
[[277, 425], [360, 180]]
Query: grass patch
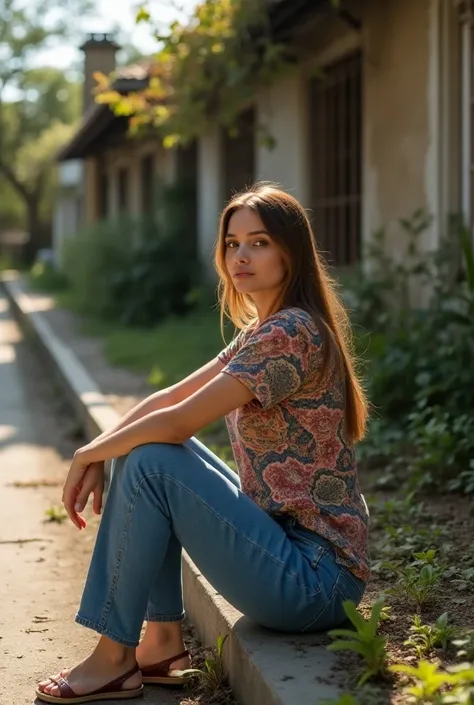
[[165, 353], [168, 352], [45, 278]]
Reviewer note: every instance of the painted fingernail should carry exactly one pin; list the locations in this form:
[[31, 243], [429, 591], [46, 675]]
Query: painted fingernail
[[77, 507]]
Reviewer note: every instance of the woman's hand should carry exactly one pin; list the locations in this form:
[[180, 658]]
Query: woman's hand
[[83, 478]]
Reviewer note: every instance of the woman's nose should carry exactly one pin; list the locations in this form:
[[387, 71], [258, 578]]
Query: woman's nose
[[242, 254]]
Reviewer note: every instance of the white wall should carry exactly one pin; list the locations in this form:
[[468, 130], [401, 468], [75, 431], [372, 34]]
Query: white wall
[[68, 212], [210, 193], [70, 173], [411, 120], [411, 117], [66, 222], [283, 109]]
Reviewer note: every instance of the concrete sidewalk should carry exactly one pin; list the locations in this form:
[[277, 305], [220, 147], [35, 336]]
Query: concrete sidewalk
[[43, 564], [264, 668]]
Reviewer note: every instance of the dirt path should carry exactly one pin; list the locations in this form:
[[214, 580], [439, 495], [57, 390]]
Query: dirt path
[[42, 564]]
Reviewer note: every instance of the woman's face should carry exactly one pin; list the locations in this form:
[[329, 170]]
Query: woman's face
[[254, 261]]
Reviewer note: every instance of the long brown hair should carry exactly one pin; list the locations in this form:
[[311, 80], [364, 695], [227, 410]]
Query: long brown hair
[[308, 285]]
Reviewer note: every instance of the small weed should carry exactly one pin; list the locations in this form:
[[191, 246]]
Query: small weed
[[364, 640], [418, 584], [425, 557], [461, 578], [385, 614], [425, 637], [401, 542], [386, 569], [393, 511], [213, 676], [56, 514], [430, 682]]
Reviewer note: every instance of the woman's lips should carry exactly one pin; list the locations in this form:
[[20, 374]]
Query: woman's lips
[[243, 274]]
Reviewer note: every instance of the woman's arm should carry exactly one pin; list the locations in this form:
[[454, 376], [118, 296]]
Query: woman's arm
[[168, 397], [174, 424]]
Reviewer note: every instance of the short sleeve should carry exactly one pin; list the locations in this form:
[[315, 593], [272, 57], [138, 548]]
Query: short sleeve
[[235, 344], [276, 359]]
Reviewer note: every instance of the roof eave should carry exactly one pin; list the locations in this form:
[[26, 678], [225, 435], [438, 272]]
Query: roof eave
[[97, 120], [284, 15]]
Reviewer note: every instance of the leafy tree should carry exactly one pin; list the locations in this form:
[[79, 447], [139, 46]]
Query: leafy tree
[[207, 69], [33, 99]]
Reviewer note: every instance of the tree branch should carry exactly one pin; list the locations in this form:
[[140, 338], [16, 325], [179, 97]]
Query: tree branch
[[10, 176]]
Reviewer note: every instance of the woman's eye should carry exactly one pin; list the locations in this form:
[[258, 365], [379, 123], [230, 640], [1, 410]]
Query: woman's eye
[[230, 244], [260, 242]]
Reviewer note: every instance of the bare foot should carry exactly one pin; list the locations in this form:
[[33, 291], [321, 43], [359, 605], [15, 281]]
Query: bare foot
[[149, 653], [90, 675]]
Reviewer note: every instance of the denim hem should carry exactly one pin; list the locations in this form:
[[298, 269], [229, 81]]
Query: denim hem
[[164, 617], [105, 632]]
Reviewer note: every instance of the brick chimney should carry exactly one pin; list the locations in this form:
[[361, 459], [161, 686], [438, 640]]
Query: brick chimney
[[99, 55]]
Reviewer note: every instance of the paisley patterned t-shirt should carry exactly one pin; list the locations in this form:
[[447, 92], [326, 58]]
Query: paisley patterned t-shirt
[[289, 443]]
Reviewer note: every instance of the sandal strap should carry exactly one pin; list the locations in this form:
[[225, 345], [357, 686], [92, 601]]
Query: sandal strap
[[162, 668], [65, 690], [117, 683]]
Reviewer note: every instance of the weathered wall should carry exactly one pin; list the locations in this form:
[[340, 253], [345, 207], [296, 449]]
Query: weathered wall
[[410, 103], [282, 109], [210, 192], [397, 131]]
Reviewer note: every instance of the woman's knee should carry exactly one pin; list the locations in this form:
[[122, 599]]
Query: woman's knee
[[152, 457]]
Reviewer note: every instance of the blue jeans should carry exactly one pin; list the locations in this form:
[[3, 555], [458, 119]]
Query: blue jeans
[[164, 497]]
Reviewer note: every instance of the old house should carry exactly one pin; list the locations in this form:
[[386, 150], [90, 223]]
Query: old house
[[373, 122]]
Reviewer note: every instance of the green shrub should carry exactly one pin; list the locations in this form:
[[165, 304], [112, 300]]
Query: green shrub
[[157, 282], [418, 360], [430, 683], [91, 260], [136, 270], [6, 261], [43, 276]]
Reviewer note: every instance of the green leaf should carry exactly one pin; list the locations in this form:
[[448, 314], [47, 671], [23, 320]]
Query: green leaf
[[142, 15], [171, 141], [356, 618], [210, 664], [442, 620], [221, 640], [349, 633], [426, 673], [369, 673], [348, 646], [376, 612]]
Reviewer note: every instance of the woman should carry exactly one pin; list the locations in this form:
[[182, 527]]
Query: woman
[[285, 540]]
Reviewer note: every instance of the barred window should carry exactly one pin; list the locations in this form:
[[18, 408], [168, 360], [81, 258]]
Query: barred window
[[336, 159]]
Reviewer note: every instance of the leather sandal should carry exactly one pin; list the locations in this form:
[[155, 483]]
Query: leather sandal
[[110, 691], [160, 674]]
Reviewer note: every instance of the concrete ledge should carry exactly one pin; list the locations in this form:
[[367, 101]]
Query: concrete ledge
[[264, 668]]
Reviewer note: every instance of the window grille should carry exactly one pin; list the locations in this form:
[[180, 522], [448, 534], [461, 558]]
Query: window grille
[[336, 159]]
